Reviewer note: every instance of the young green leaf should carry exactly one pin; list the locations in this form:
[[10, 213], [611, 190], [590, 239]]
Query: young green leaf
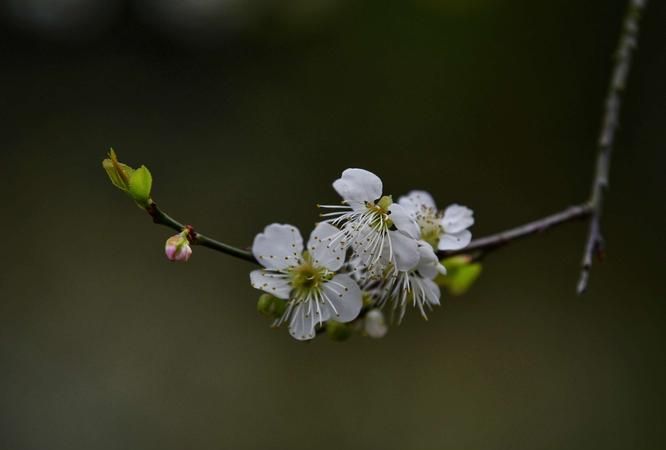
[[118, 173], [140, 185], [461, 274]]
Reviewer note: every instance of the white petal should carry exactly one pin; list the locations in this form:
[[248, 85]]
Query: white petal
[[358, 185], [403, 221], [302, 324], [345, 298], [457, 218], [432, 291], [415, 201], [278, 247], [324, 251], [428, 262], [274, 283], [405, 251], [455, 241]]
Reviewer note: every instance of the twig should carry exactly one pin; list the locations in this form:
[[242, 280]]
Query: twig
[[484, 245], [481, 246], [627, 43], [196, 238]]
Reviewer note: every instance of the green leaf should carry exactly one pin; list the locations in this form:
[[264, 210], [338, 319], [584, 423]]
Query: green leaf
[[140, 185], [118, 173], [461, 274], [464, 278]]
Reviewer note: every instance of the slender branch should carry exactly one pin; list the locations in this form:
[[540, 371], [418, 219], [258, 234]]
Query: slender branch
[[481, 246], [484, 245], [609, 123], [196, 238]]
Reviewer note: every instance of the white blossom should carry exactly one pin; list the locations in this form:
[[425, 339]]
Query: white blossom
[[381, 234], [416, 286], [367, 242], [444, 230], [307, 280]]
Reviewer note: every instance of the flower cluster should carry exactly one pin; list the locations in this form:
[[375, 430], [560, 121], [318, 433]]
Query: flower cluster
[[368, 252]]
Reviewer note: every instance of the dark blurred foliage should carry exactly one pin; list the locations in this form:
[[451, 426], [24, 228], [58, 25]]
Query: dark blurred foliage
[[246, 111]]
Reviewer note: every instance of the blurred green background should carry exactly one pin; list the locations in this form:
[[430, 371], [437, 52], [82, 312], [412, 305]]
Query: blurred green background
[[246, 112]]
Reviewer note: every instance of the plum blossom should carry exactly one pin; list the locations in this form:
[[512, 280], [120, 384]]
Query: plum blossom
[[415, 286], [368, 252], [381, 234], [305, 278], [444, 230]]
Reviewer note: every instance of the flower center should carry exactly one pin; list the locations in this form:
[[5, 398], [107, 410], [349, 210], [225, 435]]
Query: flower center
[[307, 278], [380, 213], [429, 223]]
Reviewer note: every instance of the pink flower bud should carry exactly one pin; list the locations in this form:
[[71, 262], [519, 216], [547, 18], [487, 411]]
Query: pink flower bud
[[177, 248]]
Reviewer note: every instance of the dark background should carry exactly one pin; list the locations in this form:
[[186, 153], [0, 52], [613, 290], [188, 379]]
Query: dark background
[[245, 114]]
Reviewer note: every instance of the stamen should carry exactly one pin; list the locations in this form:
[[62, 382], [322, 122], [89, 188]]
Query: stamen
[[334, 206], [325, 297], [331, 214]]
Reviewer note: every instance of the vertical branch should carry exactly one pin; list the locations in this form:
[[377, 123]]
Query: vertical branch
[[627, 43]]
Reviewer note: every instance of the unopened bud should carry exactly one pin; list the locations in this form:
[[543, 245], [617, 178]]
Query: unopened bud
[[337, 331], [177, 247], [374, 324], [271, 306]]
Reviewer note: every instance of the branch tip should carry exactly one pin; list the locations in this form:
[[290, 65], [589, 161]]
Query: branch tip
[[627, 43]]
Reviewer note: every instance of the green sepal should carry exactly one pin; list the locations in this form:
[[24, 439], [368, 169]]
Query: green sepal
[[140, 185], [461, 273]]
